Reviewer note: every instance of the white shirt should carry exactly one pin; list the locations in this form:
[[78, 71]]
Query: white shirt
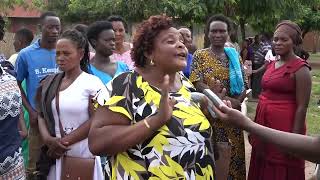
[[270, 57], [13, 59], [73, 105]]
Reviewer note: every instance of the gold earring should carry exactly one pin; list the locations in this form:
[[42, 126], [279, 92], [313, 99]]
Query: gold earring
[[151, 62]]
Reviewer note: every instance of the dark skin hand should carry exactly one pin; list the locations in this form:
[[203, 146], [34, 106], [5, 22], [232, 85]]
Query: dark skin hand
[[33, 115], [58, 146], [22, 126], [204, 108], [217, 87], [117, 126], [306, 147]]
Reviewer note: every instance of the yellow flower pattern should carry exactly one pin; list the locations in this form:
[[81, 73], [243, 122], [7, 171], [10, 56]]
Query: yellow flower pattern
[[181, 149], [204, 67]]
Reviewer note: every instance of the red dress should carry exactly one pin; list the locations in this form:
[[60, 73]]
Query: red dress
[[276, 109]]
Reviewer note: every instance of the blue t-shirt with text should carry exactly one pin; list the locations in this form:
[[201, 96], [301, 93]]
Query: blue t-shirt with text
[[33, 64]]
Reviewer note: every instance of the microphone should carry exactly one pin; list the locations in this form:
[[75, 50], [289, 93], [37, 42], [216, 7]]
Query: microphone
[[213, 97], [214, 100]]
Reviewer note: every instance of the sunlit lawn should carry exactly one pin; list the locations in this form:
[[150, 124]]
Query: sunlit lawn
[[315, 57], [313, 115]]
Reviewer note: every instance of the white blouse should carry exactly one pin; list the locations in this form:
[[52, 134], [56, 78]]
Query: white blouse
[[74, 111]]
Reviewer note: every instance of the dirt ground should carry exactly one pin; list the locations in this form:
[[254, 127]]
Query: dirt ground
[[309, 167]]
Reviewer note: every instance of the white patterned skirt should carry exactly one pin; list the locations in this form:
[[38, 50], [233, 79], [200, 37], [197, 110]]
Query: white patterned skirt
[[12, 167]]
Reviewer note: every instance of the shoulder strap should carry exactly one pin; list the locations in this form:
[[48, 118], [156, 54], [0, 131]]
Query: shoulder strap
[[58, 112], [45, 94]]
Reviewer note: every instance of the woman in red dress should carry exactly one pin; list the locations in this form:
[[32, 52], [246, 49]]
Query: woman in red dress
[[282, 105]]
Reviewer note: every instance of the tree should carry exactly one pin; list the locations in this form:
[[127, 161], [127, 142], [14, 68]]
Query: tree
[[7, 4], [185, 11], [307, 16], [262, 15], [305, 13], [252, 12]]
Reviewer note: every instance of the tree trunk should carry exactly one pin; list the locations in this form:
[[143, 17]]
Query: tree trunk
[[315, 42], [242, 23]]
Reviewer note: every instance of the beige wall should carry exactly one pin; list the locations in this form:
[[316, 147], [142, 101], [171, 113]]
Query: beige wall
[[7, 47], [311, 41]]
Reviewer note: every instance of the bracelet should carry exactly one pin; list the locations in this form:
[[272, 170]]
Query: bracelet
[[146, 123]]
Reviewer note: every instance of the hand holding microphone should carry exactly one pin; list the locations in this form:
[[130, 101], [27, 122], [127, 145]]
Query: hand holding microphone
[[217, 88], [213, 97], [210, 96], [201, 98]]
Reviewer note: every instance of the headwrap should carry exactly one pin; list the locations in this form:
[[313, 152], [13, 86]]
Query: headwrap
[[292, 29]]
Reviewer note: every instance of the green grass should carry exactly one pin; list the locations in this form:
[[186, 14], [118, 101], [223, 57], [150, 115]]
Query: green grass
[[313, 115], [314, 57]]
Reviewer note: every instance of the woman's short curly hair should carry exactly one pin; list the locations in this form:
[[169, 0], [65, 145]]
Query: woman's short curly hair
[[143, 41]]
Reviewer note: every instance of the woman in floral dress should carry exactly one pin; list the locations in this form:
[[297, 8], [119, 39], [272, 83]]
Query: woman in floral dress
[[215, 62], [150, 125]]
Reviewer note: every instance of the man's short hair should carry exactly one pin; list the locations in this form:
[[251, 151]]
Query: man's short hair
[[47, 14], [25, 34]]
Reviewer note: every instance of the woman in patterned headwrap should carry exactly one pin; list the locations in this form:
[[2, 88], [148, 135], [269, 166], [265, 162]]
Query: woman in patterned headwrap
[[282, 105]]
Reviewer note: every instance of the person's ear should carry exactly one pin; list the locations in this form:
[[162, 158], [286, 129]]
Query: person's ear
[[150, 58], [81, 53], [21, 43]]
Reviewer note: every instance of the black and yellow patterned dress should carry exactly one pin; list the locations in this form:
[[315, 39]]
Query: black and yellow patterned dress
[[204, 67], [181, 149]]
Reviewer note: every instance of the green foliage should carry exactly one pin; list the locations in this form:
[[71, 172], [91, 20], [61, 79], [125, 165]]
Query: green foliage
[[309, 19], [186, 11], [305, 13], [262, 15], [7, 4]]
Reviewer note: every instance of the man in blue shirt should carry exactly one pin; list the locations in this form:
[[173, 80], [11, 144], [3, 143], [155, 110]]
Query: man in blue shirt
[[187, 40], [34, 63]]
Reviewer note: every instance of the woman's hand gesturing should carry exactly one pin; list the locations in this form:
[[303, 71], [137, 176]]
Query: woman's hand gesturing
[[166, 103]]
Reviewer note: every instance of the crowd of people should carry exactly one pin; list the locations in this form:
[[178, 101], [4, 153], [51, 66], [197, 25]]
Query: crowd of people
[[89, 104]]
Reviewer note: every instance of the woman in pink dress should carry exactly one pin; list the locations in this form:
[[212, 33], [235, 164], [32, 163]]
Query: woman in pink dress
[[282, 105], [123, 49]]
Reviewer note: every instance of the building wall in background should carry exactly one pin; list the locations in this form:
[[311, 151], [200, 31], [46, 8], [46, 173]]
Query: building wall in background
[[16, 23], [311, 41]]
